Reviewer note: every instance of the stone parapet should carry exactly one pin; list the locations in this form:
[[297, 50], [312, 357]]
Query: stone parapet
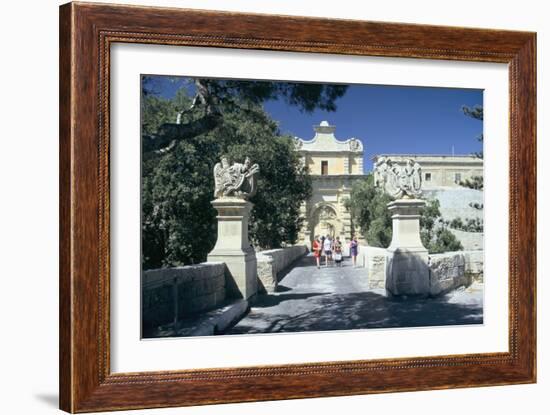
[[374, 260], [447, 272], [169, 294], [474, 264], [272, 262]]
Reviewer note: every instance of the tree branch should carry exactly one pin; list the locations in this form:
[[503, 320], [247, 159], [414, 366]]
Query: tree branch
[[170, 132]]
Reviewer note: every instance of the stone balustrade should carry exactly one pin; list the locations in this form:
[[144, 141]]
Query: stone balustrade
[[272, 262]]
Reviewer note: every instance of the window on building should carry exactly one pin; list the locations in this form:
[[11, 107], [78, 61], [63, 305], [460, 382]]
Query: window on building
[[428, 177], [458, 177], [324, 167]]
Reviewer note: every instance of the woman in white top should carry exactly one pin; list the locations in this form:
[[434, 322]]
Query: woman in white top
[[327, 247]]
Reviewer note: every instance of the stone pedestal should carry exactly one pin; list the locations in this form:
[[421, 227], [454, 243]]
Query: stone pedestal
[[307, 240], [407, 271], [233, 247]]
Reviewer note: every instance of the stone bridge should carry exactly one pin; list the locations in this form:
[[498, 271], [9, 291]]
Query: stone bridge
[[296, 296]]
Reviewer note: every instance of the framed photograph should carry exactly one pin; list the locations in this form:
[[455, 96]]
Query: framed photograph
[[258, 207]]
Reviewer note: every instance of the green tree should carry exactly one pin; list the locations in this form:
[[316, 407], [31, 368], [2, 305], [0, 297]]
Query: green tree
[[435, 235], [476, 183], [283, 182], [368, 207], [179, 225], [475, 112], [213, 98], [468, 225]]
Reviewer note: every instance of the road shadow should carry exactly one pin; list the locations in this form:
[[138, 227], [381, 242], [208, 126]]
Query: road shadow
[[303, 262], [363, 310], [282, 288], [272, 300]]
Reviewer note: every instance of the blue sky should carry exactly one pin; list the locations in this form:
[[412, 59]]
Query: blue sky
[[387, 119]]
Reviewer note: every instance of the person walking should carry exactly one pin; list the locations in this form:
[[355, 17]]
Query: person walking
[[323, 246], [337, 248], [317, 247], [354, 250], [327, 247]]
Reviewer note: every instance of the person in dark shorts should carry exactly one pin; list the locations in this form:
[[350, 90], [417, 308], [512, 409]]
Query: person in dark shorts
[[327, 248]]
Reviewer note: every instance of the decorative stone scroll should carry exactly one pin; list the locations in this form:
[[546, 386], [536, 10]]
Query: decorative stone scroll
[[355, 145], [398, 181]]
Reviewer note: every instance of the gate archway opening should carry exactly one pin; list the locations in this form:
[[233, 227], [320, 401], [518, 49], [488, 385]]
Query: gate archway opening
[[325, 222]]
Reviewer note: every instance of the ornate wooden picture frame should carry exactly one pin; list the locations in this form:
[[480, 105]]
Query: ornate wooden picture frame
[[87, 32]]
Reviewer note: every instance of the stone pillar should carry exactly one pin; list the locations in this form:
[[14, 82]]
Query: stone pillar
[[233, 247], [359, 162], [407, 271], [346, 164], [306, 240]]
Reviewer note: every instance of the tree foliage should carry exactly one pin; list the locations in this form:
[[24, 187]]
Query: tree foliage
[[215, 97], [178, 221], [476, 183], [434, 233], [467, 225], [475, 112], [368, 207]]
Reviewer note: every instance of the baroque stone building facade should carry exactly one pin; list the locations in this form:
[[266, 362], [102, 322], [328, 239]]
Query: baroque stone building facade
[[443, 178], [440, 171], [333, 165]]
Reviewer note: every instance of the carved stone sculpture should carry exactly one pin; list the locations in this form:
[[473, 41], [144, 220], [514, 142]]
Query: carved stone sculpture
[[407, 271], [234, 184], [399, 181], [354, 145], [236, 180]]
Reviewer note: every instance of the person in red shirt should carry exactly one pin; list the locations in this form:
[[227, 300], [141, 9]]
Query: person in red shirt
[[316, 247]]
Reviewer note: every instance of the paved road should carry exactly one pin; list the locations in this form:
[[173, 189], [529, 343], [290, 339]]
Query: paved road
[[311, 299]]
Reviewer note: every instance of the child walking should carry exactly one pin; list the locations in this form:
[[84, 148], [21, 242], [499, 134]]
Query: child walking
[[337, 247]]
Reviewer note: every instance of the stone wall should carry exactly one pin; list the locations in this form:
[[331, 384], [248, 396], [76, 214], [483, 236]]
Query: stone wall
[[170, 293], [447, 272], [474, 264], [471, 241], [455, 202], [374, 260], [272, 262]]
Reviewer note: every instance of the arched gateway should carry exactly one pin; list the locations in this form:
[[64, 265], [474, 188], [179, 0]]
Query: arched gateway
[[333, 166], [325, 221]]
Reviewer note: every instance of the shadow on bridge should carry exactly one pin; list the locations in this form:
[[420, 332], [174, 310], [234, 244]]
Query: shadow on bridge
[[303, 262], [270, 300], [363, 310]]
